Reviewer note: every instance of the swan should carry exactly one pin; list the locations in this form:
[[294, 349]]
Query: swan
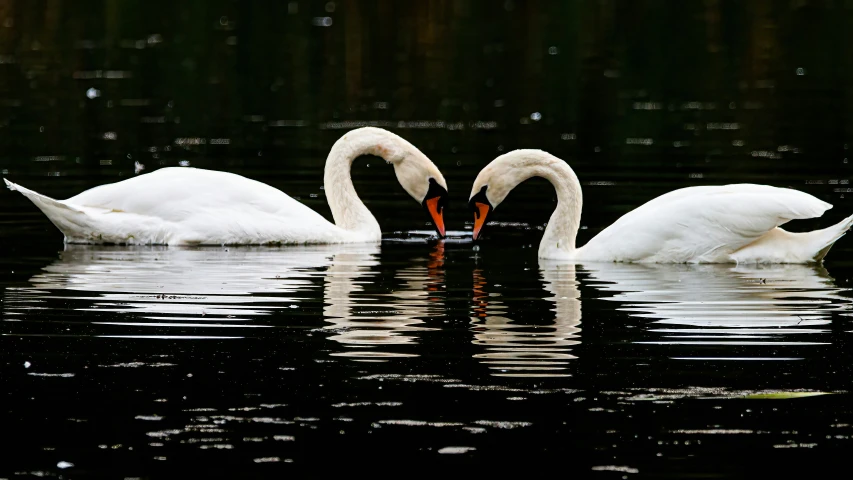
[[191, 206], [706, 224]]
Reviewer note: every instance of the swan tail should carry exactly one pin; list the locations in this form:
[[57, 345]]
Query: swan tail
[[68, 219], [827, 237], [781, 246]]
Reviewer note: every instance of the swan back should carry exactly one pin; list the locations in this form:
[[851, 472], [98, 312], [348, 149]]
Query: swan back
[[706, 224]]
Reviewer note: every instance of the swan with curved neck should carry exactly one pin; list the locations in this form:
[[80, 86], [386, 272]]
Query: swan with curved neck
[[707, 224], [190, 206]]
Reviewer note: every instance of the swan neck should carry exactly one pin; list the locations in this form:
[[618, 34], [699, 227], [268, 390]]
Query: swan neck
[[348, 211], [561, 232]]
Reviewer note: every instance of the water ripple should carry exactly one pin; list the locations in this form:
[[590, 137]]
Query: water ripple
[[514, 348], [231, 293], [723, 308]]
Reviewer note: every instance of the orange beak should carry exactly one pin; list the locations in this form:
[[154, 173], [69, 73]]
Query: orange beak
[[436, 213], [482, 210]]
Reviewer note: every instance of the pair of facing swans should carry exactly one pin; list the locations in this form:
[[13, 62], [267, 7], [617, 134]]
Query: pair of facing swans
[[188, 206]]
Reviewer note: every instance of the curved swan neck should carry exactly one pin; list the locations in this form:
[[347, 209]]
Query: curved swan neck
[[348, 211], [562, 230], [507, 171]]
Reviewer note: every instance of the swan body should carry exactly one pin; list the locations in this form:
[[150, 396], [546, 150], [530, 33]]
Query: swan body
[[708, 224], [190, 206]]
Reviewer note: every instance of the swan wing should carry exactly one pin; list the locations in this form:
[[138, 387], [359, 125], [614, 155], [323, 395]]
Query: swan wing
[[172, 193], [189, 205], [701, 224]]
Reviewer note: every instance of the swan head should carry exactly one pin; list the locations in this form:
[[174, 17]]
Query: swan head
[[418, 176], [416, 173], [498, 178], [422, 180]]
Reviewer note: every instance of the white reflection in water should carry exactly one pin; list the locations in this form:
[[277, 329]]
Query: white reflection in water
[[514, 348], [194, 293], [381, 319], [730, 312]]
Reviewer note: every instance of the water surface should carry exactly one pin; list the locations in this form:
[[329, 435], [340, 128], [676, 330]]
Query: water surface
[[237, 359]]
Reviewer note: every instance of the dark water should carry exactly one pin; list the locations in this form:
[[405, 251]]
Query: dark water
[[159, 362]]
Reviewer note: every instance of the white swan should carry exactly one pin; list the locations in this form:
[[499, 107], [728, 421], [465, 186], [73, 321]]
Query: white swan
[[708, 224], [189, 206]]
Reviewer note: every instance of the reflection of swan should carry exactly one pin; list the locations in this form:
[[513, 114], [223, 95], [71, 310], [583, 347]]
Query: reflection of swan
[[517, 349], [160, 292], [381, 320], [709, 224], [177, 291], [729, 309], [189, 206]]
